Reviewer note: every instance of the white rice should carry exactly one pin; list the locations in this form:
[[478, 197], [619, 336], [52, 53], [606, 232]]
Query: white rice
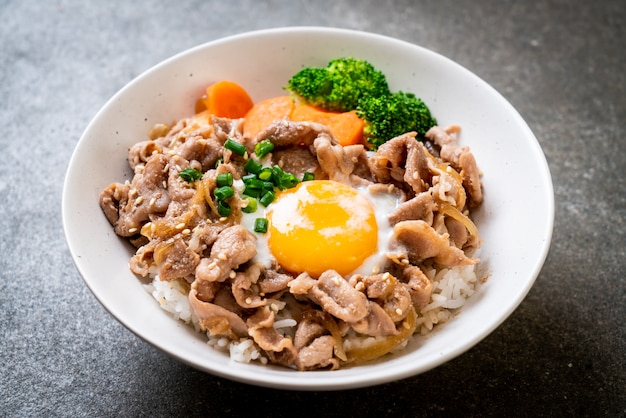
[[451, 288], [172, 297]]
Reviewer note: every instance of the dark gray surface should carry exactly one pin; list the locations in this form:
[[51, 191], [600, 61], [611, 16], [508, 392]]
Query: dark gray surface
[[560, 63]]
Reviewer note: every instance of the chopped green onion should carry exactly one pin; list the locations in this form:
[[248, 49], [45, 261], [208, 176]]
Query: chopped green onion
[[251, 192], [253, 182], [253, 166], [267, 198], [261, 149], [251, 207], [308, 176], [224, 179], [260, 225], [218, 162], [287, 181], [223, 208], [235, 147], [265, 174], [190, 175], [277, 173], [224, 193], [267, 186]]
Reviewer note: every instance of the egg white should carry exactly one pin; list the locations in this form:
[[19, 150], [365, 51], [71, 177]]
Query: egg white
[[382, 203]]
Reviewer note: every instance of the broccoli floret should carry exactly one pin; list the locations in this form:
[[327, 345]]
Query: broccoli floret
[[340, 86], [394, 114], [347, 84]]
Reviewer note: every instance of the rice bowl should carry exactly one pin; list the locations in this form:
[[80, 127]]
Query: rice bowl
[[514, 172]]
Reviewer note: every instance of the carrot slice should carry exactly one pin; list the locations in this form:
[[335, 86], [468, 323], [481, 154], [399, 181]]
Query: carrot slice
[[227, 99], [346, 127], [265, 112]]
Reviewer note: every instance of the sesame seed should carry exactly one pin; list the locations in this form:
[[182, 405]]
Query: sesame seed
[[274, 307], [222, 257], [152, 201], [212, 265], [386, 276], [223, 218], [248, 300], [186, 231], [232, 275], [132, 230], [415, 175], [406, 325], [359, 286], [376, 270], [139, 200], [399, 311], [164, 184], [180, 226]]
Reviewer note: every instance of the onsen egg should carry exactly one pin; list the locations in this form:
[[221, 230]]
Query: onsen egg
[[321, 225]]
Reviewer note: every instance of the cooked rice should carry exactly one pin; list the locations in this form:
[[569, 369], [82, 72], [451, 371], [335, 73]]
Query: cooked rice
[[451, 288]]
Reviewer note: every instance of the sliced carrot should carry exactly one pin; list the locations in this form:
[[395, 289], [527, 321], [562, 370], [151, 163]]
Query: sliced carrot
[[346, 127], [227, 99], [265, 112]]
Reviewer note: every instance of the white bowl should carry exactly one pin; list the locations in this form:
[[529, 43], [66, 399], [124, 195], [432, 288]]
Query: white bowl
[[515, 221]]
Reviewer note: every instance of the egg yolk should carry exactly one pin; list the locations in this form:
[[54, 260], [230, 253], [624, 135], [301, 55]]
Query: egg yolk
[[321, 225]]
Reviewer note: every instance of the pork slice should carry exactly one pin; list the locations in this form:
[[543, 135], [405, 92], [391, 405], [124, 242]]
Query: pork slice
[[388, 162], [418, 285], [234, 246], [421, 207], [296, 160], [457, 231], [306, 332], [287, 133], [225, 128], [244, 287], [179, 263], [111, 198], [471, 179], [419, 242], [273, 281], [279, 349], [461, 159], [207, 151], [216, 319], [333, 293], [141, 152], [387, 292], [416, 171], [339, 162], [142, 260], [376, 323], [318, 354], [135, 203]]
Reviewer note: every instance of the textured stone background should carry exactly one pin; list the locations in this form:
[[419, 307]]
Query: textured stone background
[[560, 63]]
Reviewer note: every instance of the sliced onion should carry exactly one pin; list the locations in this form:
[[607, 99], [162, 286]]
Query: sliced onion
[[448, 209], [382, 347]]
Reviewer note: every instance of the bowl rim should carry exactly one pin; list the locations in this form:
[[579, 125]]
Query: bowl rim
[[317, 380]]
